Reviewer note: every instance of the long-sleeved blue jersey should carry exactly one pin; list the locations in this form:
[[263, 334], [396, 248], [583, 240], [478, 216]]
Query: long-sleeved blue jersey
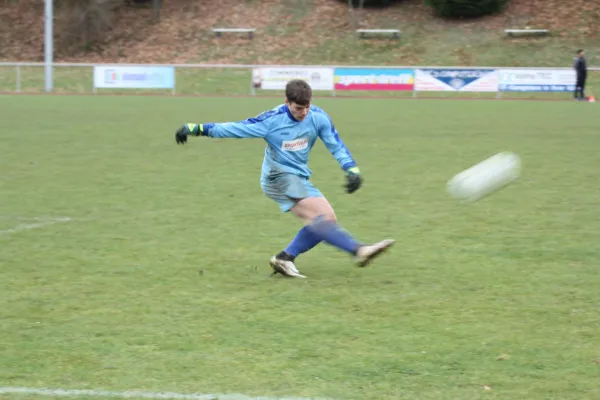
[[289, 141]]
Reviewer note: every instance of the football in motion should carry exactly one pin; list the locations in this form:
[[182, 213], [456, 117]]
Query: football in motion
[[486, 177]]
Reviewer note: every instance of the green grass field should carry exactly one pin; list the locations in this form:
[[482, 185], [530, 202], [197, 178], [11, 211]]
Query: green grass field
[[160, 279]]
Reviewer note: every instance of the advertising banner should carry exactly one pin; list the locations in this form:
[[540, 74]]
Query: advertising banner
[[537, 80], [461, 80], [374, 79], [134, 77], [277, 78]]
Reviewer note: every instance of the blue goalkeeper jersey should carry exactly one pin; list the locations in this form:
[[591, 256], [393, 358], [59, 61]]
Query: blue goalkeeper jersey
[[289, 141]]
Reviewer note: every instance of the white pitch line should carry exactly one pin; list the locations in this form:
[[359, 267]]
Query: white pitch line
[[137, 394], [42, 223]]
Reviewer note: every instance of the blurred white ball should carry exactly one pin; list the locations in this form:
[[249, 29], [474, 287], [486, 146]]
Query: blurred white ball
[[485, 177]]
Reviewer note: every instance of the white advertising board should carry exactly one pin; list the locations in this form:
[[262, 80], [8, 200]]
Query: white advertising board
[[277, 78], [134, 77], [537, 80]]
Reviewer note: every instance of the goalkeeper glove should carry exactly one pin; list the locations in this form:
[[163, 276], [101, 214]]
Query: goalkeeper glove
[[353, 180], [188, 129]]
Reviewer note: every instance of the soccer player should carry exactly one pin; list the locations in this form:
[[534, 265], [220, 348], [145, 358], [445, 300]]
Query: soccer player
[[290, 131]]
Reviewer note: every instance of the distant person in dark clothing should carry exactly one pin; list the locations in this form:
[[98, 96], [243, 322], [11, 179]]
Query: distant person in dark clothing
[[581, 70]]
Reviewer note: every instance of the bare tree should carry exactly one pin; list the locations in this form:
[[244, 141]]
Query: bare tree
[[353, 14], [85, 21], [156, 5]]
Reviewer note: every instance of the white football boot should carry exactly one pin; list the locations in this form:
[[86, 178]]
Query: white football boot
[[368, 253], [285, 267]]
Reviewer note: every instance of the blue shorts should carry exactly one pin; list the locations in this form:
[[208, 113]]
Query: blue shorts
[[287, 189]]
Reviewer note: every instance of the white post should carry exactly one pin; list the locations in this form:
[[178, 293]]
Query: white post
[[174, 81], [18, 78], [48, 40], [498, 93], [94, 90]]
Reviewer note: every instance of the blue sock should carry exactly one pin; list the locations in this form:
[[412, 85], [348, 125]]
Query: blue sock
[[333, 234], [303, 242]]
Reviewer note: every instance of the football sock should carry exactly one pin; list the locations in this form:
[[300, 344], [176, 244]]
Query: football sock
[[333, 234], [304, 241]]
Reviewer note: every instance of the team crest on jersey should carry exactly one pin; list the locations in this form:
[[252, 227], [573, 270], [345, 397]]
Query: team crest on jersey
[[294, 145]]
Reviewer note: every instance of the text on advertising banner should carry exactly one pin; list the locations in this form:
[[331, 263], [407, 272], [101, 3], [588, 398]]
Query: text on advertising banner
[[462, 80], [277, 78], [134, 77], [374, 79], [537, 80]]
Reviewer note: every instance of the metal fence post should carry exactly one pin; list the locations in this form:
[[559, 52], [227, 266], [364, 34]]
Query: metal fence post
[[18, 78], [174, 80], [498, 93], [252, 84], [93, 79]]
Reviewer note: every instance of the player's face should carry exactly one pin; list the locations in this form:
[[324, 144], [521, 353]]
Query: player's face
[[299, 112]]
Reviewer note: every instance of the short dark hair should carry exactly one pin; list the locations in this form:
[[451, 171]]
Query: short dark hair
[[579, 51], [298, 91]]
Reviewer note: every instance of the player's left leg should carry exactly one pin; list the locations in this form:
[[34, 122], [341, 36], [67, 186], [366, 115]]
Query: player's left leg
[[324, 226], [304, 200], [321, 225]]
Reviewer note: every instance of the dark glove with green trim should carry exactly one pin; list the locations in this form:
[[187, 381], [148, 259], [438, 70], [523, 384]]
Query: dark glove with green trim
[[186, 130], [353, 180]]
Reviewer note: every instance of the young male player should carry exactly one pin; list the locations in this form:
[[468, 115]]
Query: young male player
[[290, 131]]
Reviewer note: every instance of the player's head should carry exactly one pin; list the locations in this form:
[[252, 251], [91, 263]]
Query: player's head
[[580, 52], [298, 95]]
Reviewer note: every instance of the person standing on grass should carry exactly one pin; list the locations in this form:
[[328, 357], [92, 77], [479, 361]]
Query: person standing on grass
[[581, 71], [290, 131]]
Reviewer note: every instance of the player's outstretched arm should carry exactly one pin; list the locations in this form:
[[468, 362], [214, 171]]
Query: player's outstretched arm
[[340, 152], [250, 128]]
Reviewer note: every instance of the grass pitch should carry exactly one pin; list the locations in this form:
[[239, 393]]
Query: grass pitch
[[159, 280]]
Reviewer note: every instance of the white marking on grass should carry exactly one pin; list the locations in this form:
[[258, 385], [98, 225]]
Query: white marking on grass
[[128, 394], [42, 222]]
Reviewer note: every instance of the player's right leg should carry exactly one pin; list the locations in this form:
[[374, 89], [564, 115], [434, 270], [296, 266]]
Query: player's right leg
[[286, 189]]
